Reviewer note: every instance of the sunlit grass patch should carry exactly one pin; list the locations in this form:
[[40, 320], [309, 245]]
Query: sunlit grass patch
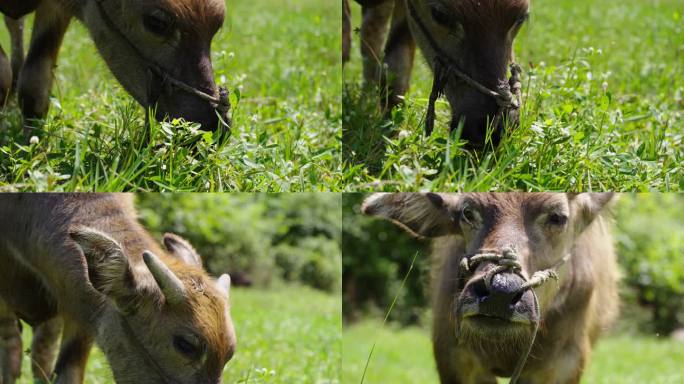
[[286, 115]]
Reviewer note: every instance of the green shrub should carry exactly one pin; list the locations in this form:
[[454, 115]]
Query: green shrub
[[650, 241], [377, 256], [266, 236]]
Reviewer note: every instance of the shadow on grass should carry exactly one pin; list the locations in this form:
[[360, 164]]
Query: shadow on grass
[[365, 127]]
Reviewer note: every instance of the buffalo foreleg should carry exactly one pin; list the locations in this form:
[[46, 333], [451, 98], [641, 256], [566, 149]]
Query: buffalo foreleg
[[44, 348], [399, 54], [373, 30], [346, 31], [10, 346], [73, 354], [35, 80], [16, 30], [5, 78]]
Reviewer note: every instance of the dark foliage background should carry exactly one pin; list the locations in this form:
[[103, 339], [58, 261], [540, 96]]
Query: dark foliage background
[[292, 237], [649, 236]]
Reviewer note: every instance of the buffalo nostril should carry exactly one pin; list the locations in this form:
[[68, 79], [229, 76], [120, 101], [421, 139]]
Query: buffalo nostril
[[480, 289], [518, 296]]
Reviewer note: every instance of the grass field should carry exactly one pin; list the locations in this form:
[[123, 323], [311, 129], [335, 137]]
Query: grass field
[[603, 87], [288, 335], [404, 355], [281, 56]]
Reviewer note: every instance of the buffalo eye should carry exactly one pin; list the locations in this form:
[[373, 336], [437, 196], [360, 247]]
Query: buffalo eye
[[468, 215], [521, 20], [186, 346], [557, 219], [441, 16], [159, 22]]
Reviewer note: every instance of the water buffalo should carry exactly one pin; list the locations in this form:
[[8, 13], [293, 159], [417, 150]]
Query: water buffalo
[[85, 259], [468, 45], [494, 312], [159, 50]]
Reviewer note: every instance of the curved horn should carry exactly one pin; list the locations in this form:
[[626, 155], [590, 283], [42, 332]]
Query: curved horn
[[168, 282], [223, 284]]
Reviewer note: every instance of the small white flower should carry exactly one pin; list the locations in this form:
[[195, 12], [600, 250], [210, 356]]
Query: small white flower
[[254, 118], [207, 185], [34, 140], [404, 133], [231, 55], [604, 85], [163, 167]]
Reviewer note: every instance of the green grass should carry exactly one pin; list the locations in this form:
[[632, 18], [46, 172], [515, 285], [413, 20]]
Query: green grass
[[404, 355], [603, 88], [283, 58], [288, 335]]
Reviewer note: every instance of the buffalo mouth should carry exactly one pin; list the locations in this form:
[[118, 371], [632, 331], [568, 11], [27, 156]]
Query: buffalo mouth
[[498, 342], [491, 326], [489, 321]]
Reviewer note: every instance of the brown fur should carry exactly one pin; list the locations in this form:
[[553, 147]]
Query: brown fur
[[81, 254], [573, 312], [490, 14], [202, 17]]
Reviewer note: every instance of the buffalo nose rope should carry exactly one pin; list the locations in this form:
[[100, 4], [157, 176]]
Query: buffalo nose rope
[[508, 261]]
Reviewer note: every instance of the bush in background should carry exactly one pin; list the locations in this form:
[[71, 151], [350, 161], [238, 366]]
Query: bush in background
[[650, 241], [291, 237], [377, 257]]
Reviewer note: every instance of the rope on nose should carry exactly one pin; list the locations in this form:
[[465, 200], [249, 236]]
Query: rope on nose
[[507, 97], [505, 261], [508, 261]]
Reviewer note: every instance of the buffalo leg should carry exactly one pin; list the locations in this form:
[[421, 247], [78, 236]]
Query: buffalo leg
[[399, 53], [35, 79], [5, 78], [373, 30], [346, 31], [16, 30], [10, 346], [73, 355], [44, 348]]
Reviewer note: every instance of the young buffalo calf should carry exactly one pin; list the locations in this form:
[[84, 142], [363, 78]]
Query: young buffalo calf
[[468, 44], [493, 256], [85, 259], [159, 50]]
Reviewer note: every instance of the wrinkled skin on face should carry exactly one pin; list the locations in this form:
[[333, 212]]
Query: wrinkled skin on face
[[495, 324], [174, 35], [477, 35], [164, 319]]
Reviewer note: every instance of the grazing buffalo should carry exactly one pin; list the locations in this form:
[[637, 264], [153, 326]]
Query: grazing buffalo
[[159, 50], [85, 261], [494, 312], [467, 43]]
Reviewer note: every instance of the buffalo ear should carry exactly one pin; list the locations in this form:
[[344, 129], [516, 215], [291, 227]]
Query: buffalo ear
[[181, 249], [421, 214], [108, 268], [588, 206]]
